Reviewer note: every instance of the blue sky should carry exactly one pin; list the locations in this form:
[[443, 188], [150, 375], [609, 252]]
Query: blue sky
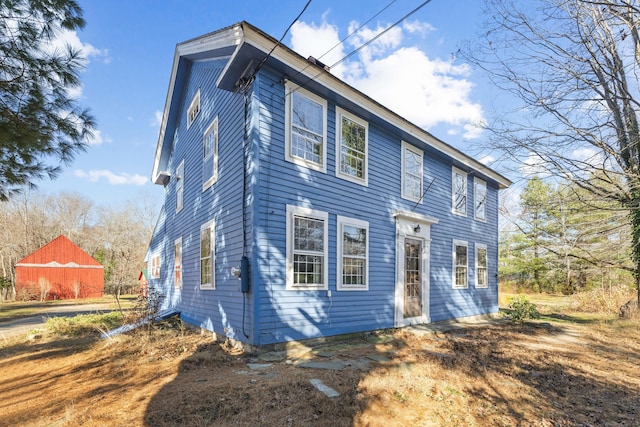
[[129, 45]]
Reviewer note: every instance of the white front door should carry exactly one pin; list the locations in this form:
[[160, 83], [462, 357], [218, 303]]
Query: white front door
[[413, 238]]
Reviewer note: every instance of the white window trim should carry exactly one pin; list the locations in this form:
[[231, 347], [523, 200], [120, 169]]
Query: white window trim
[[456, 171], [177, 242], [193, 106], [289, 89], [180, 186], [341, 222], [213, 127], [453, 256], [339, 114], [408, 147], [154, 269], [208, 286], [479, 182], [292, 212], [479, 246]]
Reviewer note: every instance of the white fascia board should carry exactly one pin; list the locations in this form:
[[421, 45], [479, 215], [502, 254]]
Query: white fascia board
[[297, 62], [226, 37]]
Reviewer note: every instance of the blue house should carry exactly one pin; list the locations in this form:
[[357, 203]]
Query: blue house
[[298, 207]]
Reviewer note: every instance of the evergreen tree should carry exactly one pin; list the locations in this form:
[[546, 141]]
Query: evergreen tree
[[41, 125]]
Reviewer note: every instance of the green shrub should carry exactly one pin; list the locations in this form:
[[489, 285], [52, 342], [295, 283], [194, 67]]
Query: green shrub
[[520, 308]]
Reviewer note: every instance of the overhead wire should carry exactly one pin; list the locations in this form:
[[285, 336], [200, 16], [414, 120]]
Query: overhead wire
[[348, 36], [380, 34], [365, 44], [259, 66]]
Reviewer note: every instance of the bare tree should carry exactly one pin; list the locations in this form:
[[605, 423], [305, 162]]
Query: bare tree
[[573, 68], [124, 239]]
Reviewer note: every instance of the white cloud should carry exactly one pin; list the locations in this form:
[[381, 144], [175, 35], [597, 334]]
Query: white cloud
[[70, 38], [427, 91], [112, 178], [417, 27], [320, 41], [588, 155], [97, 138], [487, 159]]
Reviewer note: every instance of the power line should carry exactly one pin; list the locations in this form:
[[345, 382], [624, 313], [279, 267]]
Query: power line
[[259, 66], [365, 43], [382, 33], [348, 36]]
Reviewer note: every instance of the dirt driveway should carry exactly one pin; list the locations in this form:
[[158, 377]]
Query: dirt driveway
[[23, 324]]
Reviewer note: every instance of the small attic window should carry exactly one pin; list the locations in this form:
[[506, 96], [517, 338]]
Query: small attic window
[[194, 109]]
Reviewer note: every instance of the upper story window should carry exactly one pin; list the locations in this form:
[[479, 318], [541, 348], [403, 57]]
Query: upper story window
[[479, 199], [210, 155], [207, 255], [460, 264], [180, 186], [459, 191], [155, 267], [351, 147], [307, 248], [481, 266], [177, 263], [305, 128], [412, 172], [353, 254], [194, 109]]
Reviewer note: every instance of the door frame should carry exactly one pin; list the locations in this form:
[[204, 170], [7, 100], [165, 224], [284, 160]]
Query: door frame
[[418, 227]]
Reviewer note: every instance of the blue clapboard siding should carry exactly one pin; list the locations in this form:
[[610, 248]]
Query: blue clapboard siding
[[286, 314], [220, 309]]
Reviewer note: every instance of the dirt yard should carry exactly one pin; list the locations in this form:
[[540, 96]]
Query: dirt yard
[[563, 370]]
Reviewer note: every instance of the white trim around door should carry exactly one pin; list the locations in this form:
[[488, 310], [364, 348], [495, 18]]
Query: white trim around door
[[413, 231]]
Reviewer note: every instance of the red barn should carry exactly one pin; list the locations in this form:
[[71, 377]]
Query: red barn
[[59, 270]]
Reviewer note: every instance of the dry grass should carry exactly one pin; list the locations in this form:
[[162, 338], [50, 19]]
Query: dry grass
[[570, 371]]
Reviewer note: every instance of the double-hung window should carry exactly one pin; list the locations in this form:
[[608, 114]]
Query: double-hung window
[[305, 128], [207, 255], [177, 263], [307, 248], [481, 266], [353, 254], [180, 186], [210, 155], [351, 147], [479, 199], [459, 191], [194, 109], [460, 264], [412, 172]]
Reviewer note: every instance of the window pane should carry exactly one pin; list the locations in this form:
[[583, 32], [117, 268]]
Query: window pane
[[353, 147], [353, 271], [461, 193], [205, 271], [461, 265], [461, 255], [354, 240], [205, 242], [412, 178], [308, 234], [481, 199], [307, 114], [308, 269]]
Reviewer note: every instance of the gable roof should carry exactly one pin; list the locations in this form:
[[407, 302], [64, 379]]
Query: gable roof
[[247, 46], [59, 252]]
